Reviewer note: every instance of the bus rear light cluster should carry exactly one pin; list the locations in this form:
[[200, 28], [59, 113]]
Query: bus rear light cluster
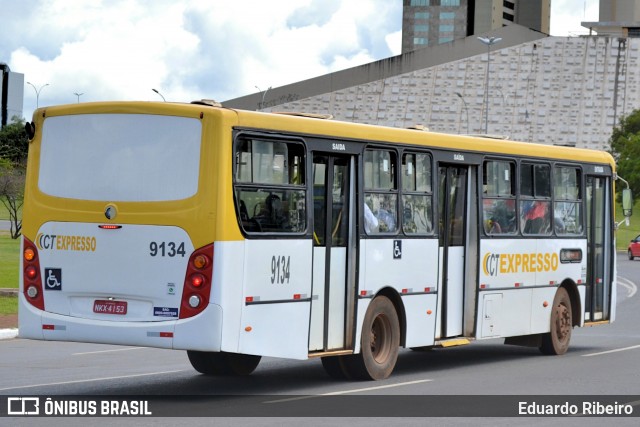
[[32, 282], [197, 282]]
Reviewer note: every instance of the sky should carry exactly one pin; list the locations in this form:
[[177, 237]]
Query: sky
[[216, 49]]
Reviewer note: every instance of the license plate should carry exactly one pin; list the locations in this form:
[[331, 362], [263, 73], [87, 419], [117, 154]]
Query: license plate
[[109, 307]]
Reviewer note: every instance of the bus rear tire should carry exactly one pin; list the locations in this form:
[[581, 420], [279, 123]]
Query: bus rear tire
[[556, 341], [222, 363], [379, 343]]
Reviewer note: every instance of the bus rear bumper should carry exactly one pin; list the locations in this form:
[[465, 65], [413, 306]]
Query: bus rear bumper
[[201, 332]]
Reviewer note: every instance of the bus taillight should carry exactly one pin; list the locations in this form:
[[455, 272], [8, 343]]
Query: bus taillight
[[32, 283], [197, 282], [200, 261]]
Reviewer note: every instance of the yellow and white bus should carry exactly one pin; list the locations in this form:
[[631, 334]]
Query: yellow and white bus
[[236, 234]]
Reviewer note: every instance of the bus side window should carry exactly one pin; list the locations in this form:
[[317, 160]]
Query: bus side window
[[567, 213], [417, 196], [381, 190], [535, 202], [499, 197], [270, 186]]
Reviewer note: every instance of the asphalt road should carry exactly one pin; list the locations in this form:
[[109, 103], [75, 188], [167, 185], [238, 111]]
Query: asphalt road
[[603, 360]]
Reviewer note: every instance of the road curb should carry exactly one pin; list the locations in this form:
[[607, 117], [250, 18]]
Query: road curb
[[8, 334], [8, 292]]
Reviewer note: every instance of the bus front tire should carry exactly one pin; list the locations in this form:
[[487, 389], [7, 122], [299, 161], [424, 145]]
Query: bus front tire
[[556, 341], [379, 343], [222, 363]]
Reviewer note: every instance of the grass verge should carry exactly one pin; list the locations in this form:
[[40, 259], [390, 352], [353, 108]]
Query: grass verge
[[8, 305], [627, 232], [9, 260]]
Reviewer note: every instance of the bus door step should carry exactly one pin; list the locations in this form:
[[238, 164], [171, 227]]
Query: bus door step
[[452, 342]]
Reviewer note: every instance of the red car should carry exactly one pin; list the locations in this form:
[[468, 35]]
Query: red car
[[634, 248]]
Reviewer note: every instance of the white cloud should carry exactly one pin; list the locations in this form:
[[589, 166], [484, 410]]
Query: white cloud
[[191, 49], [566, 16], [187, 49], [394, 42]]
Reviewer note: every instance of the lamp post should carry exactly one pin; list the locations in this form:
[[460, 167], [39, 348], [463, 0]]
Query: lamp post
[[261, 106], [465, 109], [489, 41], [156, 91], [78, 95], [37, 92]]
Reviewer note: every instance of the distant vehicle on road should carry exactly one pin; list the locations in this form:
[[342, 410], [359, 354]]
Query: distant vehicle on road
[[634, 248]]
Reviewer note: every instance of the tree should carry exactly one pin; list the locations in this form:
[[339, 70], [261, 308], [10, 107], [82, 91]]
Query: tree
[[625, 148], [12, 179], [14, 143]]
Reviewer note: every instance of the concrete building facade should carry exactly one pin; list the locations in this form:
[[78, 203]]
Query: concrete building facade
[[552, 90]]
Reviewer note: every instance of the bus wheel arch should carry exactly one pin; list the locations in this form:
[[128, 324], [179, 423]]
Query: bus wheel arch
[[380, 342], [557, 340], [574, 296]]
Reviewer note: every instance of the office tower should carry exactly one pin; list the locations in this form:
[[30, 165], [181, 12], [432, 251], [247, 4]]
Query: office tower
[[432, 22]]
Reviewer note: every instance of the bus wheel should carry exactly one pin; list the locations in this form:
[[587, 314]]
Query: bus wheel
[[557, 340], [222, 363], [379, 342], [334, 366]]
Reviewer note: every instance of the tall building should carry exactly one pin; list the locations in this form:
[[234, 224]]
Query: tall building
[[11, 94], [618, 18], [432, 22]]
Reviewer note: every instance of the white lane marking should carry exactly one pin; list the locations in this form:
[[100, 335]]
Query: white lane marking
[[93, 379], [337, 393], [108, 351], [612, 351], [629, 285]]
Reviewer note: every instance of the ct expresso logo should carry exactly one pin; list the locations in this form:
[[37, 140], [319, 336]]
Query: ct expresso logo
[[62, 242], [494, 264]]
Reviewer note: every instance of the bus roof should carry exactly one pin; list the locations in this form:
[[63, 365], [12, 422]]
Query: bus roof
[[308, 124]]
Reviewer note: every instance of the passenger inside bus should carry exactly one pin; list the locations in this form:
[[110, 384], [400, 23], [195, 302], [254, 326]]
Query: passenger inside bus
[[370, 220], [271, 216], [536, 217], [499, 216]]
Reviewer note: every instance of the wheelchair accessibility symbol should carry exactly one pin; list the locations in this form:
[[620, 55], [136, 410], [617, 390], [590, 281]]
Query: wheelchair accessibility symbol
[[397, 249], [53, 279]]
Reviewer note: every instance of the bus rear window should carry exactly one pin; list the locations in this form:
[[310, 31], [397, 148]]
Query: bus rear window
[[120, 157]]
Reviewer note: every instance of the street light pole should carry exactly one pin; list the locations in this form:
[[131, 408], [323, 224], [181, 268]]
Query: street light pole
[[261, 106], [465, 109], [156, 91], [78, 95], [37, 92], [489, 41]]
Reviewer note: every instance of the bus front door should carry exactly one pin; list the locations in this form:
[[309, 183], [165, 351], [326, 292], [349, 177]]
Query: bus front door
[[333, 295], [599, 290], [452, 218]]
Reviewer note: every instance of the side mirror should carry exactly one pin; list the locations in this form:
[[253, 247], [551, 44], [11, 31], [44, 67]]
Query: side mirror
[[627, 202]]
